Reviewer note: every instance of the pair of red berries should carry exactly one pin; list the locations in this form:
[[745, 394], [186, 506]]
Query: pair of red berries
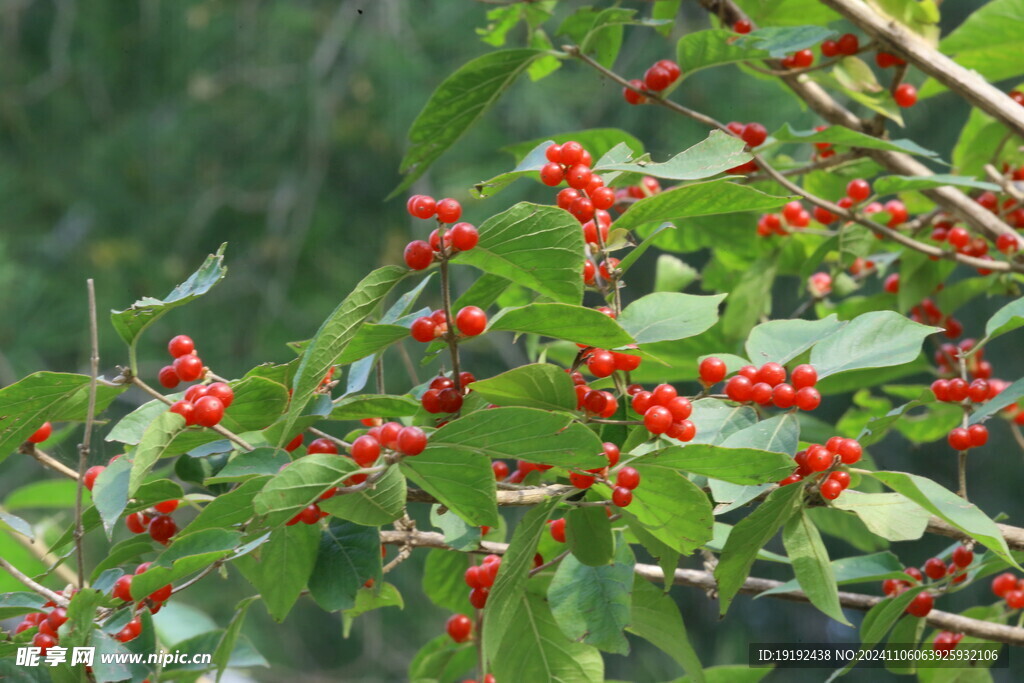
[[956, 390], [480, 578], [470, 321], [754, 134], [161, 527], [947, 358], [187, 365], [945, 642], [602, 362], [665, 412], [423, 206], [796, 216], [122, 590], [311, 514], [419, 254], [443, 397], [657, 78], [801, 59], [391, 435], [936, 569], [922, 603], [204, 405], [884, 60], [767, 384], [966, 438], [626, 480], [846, 45], [1010, 589]]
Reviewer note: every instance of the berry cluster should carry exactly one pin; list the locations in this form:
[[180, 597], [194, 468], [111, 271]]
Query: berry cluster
[[928, 313], [767, 384], [187, 365], [820, 458], [846, 45], [947, 360], [801, 59], [586, 196], [470, 321], [1010, 589], [936, 570], [158, 522], [665, 412], [419, 254], [658, 77], [957, 390], [122, 590], [443, 397], [795, 215], [480, 578], [204, 404], [946, 641]]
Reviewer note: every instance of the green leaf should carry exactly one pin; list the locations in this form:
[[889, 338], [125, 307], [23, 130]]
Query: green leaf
[[19, 603], [1006, 397], [780, 41], [781, 341], [860, 569], [592, 604], [533, 386], [535, 649], [604, 38], [110, 493], [41, 397], [589, 536], [718, 421], [672, 274], [988, 42], [715, 154], [188, 553], [873, 340], [133, 321], [656, 618], [748, 537], [443, 580], [505, 603], [597, 141], [1006, 319], [372, 338], [950, 507], [529, 165], [729, 674], [982, 141], [890, 515], [919, 277], [703, 49], [668, 316], [787, 12], [736, 465], [853, 73], [153, 446], [540, 247], [811, 565], [672, 508], [778, 434], [892, 184], [228, 641], [697, 199], [456, 104], [300, 484], [750, 300], [639, 250], [281, 567], [258, 463], [841, 135], [349, 555], [382, 504], [882, 616], [369, 405], [457, 534], [563, 321], [81, 612], [442, 659], [334, 335]]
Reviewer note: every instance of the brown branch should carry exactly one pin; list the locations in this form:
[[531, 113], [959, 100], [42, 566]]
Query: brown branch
[[706, 581], [29, 583], [965, 83], [1013, 535], [90, 416], [30, 450]]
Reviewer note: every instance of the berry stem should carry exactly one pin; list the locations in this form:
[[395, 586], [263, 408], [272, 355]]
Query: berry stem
[[478, 630], [90, 417], [333, 439], [226, 433], [962, 455], [446, 298], [553, 561]]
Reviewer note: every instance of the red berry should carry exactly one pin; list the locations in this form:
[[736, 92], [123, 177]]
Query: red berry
[[195, 392], [601, 363], [168, 377], [657, 419], [423, 330], [626, 362], [137, 522], [123, 588], [553, 153], [57, 617], [162, 528], [581, 481], [422, 206], [595, 402], [478, 597], [958, 389], [189, 367], [449, 400], [1015, 599], [960, 439], [571, 153], [858, 190], [162, 594], [978, 435], [628, 478], [448, 210], [657, 78], [471, 321], [935, 568], [41, 434], [791, 479], [921, 605], [418, 254], [180, 345], [808, 398], [905, 95], [43, 642], [322, 445], [578, 177], [848, 44], [208, 411], [850, 451], [459, 627], [829, 48], [1003, 584], [365, 450], [831, 489], [712, 371], [754, 134], [1008, 244], [222, 391], [940, 389], [500, 468], [783, 395], [642, 400], [818, 458], [388, 435], [742, 26], [771, 373], [464, 236], [412, 440], [962, 557], [551, 174], [557, 528], [761, 393], [186, 410], [622, 496], [739, 388], [680, 407], [167, 506], [842, 477], [803, 376], [611, 451], [892, 283], [631, 95], [663, 394], [89, 480]]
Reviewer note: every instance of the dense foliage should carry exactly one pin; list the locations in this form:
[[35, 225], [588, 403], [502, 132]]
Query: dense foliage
[[657, 425]]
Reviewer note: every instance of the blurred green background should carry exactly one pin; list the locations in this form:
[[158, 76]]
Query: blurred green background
[[135, 137]]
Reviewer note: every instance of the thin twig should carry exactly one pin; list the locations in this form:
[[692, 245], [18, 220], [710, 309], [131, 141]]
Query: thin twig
[[30, 449], [29, 583], [333, 439], [554, 560], [90, 416], [446, 297]]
